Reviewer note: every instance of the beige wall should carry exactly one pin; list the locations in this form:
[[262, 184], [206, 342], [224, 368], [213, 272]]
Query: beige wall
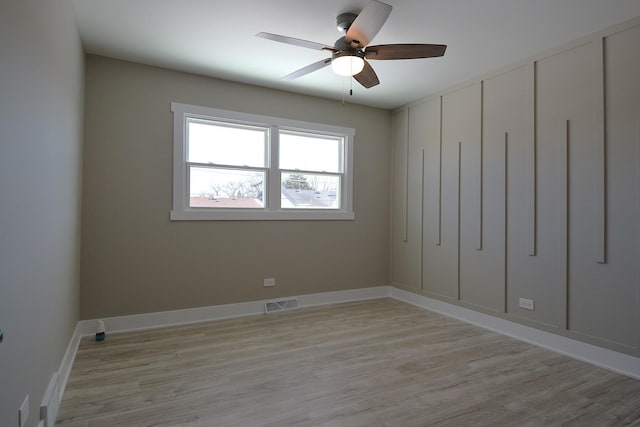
[[41, 109], [134, 260], [530, 189]]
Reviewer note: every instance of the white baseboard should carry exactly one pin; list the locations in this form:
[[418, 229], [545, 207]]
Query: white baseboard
[[612, 360], [67, 360], [138, 322], [51, 402], [352, 295], [598, 356]]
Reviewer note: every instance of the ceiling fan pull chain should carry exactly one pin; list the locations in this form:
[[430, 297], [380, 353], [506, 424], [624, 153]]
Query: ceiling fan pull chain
[[343, 90]]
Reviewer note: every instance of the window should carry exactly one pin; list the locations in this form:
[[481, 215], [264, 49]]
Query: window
[[237, 166]]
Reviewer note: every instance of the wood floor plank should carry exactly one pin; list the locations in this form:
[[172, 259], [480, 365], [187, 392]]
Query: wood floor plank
[[376, 363]]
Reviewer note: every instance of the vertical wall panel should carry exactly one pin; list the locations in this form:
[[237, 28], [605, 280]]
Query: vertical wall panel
[[509, 119], [460, 113], [527, 185], [434, 254], [407, 155], [429, 115], [600, 154], [459, 205], [416, 140], [564, 86], [604, 298], [400, 254], [565, 187], [480, 222], [480, 184], [439, 200], [423, 153], [468, 131], [530, 165], [409, 138], [505, 169], [504, 114]]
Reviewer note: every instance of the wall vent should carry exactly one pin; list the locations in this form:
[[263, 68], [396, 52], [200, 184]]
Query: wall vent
[[51, 402], [280, 305]]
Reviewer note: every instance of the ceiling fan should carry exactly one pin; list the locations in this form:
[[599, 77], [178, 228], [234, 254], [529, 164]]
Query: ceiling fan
[[350, 53]]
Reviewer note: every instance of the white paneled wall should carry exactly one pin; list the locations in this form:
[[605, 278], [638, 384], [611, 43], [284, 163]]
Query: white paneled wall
[[526, 184]]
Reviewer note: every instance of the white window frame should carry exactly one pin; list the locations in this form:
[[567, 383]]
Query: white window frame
[[181, 210]]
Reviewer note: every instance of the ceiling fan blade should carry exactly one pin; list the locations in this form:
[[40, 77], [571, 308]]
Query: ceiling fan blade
[[365, 27], [404, 51], [294, 41], [308, 69], [367, 77]]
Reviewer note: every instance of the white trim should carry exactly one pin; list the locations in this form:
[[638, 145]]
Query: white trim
[[598, 356], [259, 214], [51, 402], [138, 322], [618, 362], [67, 360], [272, 210], [352, 295]]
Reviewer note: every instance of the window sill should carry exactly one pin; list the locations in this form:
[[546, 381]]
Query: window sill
[[243, 215]]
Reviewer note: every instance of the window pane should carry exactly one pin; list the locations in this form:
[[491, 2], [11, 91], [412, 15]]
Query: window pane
[[226, 144], [304, 191], [311, 152], [225, 188]]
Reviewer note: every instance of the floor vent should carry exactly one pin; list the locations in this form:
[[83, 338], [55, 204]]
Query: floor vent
[[281, 305]]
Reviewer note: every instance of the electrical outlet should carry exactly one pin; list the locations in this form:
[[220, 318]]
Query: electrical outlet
[[527, 304], [23, 412], [269, 282]]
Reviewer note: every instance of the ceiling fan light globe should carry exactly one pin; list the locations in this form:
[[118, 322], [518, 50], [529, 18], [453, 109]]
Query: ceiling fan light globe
[[347, 65]]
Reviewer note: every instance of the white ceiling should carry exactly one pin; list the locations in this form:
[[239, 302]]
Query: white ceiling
[[217, 38]]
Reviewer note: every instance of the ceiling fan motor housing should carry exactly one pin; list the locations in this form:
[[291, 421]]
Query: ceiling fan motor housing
[[344, 21]]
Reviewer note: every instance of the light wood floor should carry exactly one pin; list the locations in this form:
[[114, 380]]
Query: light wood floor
[[375, 363]]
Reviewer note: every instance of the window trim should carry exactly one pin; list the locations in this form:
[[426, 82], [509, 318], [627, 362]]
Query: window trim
[[181, 210]]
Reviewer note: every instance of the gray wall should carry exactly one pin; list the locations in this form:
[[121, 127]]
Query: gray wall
[[530, 187], [134, 260], [41, 110]]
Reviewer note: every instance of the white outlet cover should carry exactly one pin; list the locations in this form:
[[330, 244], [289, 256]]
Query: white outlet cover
[[527, 304], [269, 282]]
